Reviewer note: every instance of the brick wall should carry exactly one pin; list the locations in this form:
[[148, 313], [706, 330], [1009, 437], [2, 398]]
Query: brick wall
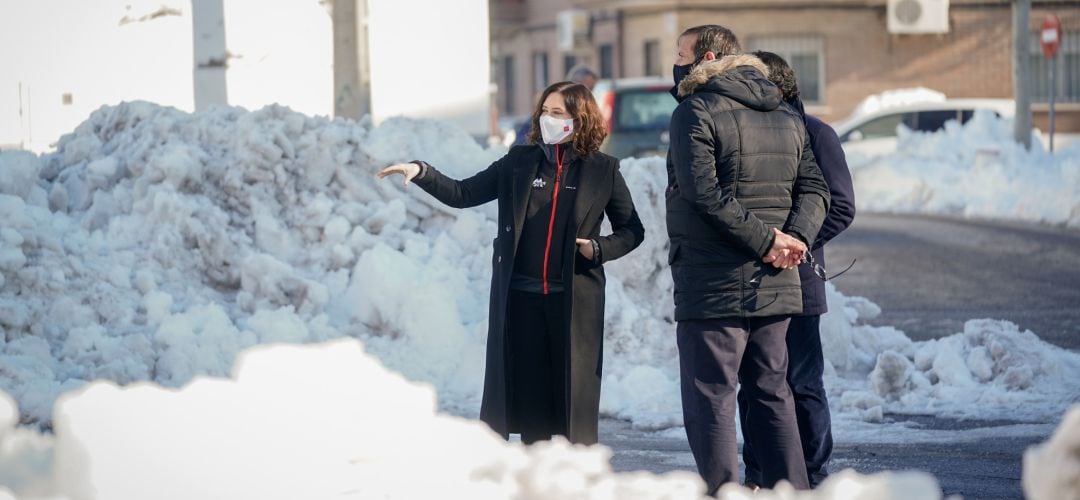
[[860, 57]]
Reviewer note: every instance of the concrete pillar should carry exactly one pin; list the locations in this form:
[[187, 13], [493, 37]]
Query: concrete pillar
[[352, 82], [211, 60]]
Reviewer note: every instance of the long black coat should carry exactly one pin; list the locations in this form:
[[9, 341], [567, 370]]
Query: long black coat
[[740, 164], [601, 189]]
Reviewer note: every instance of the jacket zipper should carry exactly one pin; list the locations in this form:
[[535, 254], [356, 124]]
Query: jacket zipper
[[551, 221]]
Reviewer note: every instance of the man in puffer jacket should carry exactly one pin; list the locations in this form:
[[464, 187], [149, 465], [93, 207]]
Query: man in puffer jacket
[[745, 197]]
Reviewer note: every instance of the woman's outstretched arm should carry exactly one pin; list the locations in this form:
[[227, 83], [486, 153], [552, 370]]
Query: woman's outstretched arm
[[476, 190]]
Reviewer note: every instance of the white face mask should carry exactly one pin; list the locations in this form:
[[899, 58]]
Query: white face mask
[[554, 130]]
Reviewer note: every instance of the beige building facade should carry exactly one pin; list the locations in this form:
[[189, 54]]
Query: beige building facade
[[842, 50]]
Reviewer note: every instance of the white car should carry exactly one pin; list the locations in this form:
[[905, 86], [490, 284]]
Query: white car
[[872, 129]]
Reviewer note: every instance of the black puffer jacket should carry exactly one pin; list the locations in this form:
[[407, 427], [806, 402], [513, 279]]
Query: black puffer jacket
[[739, 165]]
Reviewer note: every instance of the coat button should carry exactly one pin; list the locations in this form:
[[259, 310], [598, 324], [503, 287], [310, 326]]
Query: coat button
[[508, 229], [499, 258]]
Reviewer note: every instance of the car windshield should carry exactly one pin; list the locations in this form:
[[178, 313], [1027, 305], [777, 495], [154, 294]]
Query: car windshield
[[644, 109], [885, 126]]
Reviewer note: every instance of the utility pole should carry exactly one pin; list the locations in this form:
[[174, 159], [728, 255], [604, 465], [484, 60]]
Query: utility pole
[[1021, 10], [352, 79], [211, 56], [22, 122]]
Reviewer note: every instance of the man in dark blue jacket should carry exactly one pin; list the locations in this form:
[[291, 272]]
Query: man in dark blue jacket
[[806, 362]]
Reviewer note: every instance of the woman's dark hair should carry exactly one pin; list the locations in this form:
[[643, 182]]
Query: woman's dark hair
[[589, 127], [713, 38], [781, 74]]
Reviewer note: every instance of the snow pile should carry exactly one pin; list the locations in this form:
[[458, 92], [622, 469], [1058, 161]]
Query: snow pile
[[974, 170], [158, 244], [897, 98], [848, 485], [1052, 469], [155, 245], [329, 421], [990, 370], [323, 421], [25, 455], [641, 368]]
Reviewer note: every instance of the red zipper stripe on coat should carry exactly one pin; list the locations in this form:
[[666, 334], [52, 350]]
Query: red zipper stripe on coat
[[551, 221]]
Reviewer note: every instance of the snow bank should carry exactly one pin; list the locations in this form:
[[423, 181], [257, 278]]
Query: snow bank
[[896, 98], [1052, 469], [155, 245], [990, 370], [322, 421], [330, 421], [974, 170]]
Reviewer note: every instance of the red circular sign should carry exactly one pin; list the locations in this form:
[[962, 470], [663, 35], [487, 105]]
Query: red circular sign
[[1050, 35]]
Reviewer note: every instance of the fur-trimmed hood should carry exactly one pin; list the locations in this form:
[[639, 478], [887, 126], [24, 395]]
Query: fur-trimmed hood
[[742, 77]]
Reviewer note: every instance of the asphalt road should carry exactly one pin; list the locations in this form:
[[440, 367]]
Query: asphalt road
[[989, 469], [929, 275]]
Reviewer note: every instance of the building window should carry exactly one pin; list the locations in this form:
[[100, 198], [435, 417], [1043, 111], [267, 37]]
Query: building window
[[806, 55], [540, 71], [508, 85], [652, 58], [1066, 72], [569, 61], [606, 60]]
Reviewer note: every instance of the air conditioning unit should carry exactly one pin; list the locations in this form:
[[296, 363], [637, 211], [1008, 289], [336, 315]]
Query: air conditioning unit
[[572, 28], [918, 16]]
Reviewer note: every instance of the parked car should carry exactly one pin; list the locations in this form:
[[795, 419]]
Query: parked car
[[875, 133], [638, 111]]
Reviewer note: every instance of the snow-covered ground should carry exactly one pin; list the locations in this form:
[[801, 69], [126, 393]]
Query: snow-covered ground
[[975, 170], [156, 245], [326, 421]]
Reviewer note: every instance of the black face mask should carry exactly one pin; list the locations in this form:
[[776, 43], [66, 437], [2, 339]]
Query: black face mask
[[680, 72]]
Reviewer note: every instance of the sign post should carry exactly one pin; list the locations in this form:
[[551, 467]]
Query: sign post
[[1021, 59], [1050, 36]]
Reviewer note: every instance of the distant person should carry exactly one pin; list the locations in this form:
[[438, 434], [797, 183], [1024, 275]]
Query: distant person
[[578, 74], [584, 75], [546, 311], [806, 362], [744, 200]]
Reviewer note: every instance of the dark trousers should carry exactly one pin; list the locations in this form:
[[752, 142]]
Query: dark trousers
[[806, 367], [538, 365], [713, 356]]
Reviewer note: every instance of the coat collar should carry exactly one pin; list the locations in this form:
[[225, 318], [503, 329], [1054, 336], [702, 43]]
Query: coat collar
[[589, 180], [522, 184], [706, 70]]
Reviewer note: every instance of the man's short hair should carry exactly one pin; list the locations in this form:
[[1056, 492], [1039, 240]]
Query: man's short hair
[[580, 72], [713, 38], [780, 73]]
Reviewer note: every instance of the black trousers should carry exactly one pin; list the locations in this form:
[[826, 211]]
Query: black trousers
[[538, 365], [713, 356], [806, 367]]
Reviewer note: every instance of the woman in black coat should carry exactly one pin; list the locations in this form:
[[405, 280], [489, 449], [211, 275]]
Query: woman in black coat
[[546, 316]]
